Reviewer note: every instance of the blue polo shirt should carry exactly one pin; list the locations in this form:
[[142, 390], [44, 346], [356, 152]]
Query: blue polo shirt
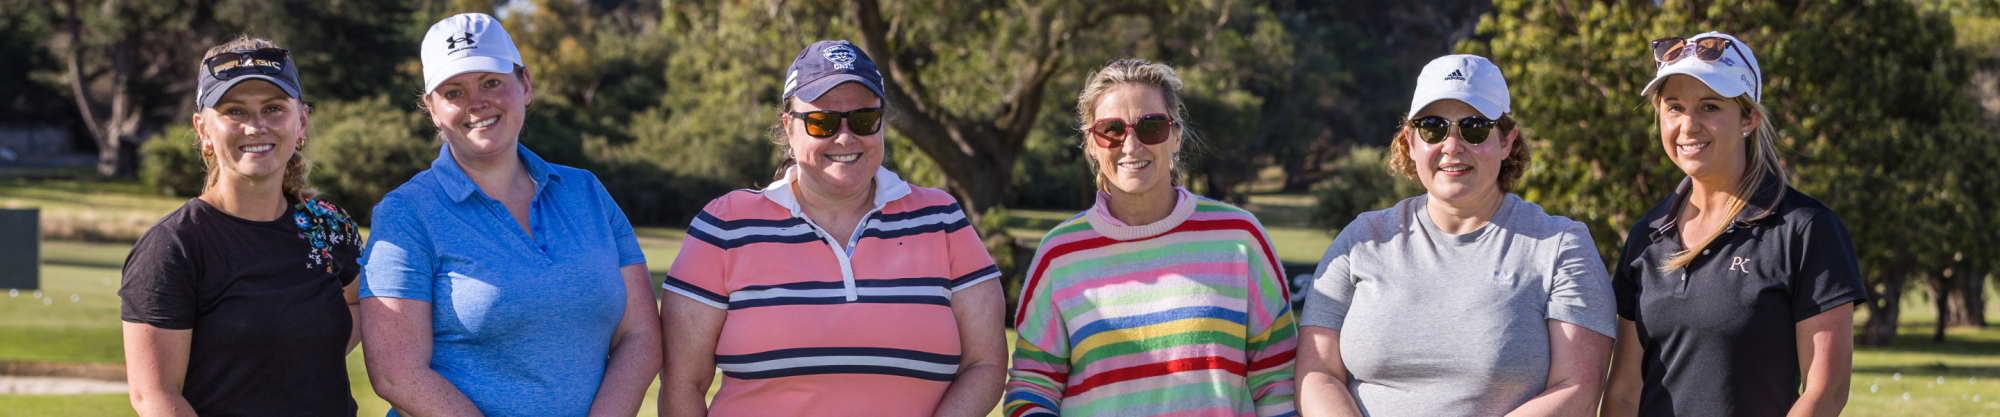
[[522, 325]]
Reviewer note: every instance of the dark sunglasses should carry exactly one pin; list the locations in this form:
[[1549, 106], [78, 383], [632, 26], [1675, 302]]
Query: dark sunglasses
[[826, 123], [1433, 129], [1669, 50], [1151, 129], [227, 65]]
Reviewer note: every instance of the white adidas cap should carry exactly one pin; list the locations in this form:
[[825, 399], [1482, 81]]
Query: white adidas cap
[[1469, 78], [1734, 74], [469, 42]]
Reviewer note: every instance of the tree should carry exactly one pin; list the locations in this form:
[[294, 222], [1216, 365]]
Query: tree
[[975, 142], [1831, 70]]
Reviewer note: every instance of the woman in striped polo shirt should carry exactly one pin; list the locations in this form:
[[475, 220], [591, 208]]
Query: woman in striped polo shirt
[[1153, 301], [839, 290]]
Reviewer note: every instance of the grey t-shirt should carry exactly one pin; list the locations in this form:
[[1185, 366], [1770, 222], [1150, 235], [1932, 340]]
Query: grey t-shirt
[[1436, 324]]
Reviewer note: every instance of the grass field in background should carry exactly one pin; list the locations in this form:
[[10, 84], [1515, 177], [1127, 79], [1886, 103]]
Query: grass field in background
[[76, 317]]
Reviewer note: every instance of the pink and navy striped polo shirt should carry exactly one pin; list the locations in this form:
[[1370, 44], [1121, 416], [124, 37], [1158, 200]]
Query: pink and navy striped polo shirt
[[818, 330]]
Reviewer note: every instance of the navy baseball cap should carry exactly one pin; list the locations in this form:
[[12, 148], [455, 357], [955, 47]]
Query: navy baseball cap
[[825, 64], [246, 65]]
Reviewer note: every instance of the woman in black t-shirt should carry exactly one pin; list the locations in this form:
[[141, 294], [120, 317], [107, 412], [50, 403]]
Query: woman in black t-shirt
[[241, 302], [1737, 293]]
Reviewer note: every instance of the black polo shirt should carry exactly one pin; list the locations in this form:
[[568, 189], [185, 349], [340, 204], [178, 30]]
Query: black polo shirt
[[1719, 334]]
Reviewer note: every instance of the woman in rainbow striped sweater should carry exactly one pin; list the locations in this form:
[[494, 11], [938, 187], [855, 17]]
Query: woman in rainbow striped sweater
[[1153, 301]]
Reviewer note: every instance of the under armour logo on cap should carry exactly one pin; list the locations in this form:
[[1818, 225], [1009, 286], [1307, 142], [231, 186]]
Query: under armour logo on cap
[[1455, 75], [452, 43], [470, 42]]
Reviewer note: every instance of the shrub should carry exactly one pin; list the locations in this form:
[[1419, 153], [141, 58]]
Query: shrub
[[363, 149], [1361, 182], [171, 162]]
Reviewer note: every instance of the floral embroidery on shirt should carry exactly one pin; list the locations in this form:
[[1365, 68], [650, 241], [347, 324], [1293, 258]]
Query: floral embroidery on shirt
[[324, 225]]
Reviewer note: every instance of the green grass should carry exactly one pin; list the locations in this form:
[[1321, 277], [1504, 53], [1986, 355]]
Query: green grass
[[86, 330], [118, 197]]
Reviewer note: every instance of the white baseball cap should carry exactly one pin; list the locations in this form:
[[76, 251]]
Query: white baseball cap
[[1734, 74], [1469, 78], [469, 42]]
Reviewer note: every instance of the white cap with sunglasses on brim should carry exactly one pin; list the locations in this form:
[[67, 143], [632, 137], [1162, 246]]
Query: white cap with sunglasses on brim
[[469, 42], [1734, 72], [1469, 78]]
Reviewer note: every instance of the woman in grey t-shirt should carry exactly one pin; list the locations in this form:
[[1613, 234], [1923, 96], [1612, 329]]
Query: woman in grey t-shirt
[[1464, 301]]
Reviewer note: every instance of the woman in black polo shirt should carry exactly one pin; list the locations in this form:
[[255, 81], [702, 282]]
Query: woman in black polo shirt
[[241, 302], [1737, 293]]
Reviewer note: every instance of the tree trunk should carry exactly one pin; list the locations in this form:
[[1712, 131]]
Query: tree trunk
[[1884, 308], [113, 133], [976, 155], [1941, 286], [1967, 302]]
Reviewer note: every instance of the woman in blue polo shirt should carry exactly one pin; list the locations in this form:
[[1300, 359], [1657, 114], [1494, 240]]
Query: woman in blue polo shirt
[[1737, 293], [496, 283]]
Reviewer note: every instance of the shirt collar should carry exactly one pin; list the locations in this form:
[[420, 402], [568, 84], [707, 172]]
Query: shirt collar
[[1760, 205], [458, 186], [888, 187]]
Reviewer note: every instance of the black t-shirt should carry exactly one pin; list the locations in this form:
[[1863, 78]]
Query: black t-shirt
[[264, 301], [1719, 334]]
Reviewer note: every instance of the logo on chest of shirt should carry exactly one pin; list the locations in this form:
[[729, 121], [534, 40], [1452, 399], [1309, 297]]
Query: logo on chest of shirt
[[1738, 263]]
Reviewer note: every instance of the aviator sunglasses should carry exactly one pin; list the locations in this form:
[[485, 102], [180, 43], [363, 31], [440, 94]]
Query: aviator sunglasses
[[826, 123], [227, 65], [1432, 129], [1669, 50], [1111, 132]]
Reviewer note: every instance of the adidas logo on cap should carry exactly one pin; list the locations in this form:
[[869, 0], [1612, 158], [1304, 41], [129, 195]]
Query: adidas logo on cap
[[1455, 75]]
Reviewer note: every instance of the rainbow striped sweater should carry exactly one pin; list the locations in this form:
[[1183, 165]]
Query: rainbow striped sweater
[[1188, 316]]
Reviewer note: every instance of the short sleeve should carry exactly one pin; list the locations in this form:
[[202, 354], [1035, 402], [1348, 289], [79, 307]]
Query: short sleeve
[[701, 270], [1825, 273], [1333, 283], [970, 263], [1579, 288], [346, 242], [620, 227], [399, 261], [1625, 275], [159, 285]]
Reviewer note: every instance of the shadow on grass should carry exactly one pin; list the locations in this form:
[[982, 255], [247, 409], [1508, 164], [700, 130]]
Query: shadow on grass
[[1915, 337]]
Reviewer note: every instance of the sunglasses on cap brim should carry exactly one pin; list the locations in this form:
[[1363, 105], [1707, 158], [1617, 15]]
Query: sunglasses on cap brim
[[1668, 50], [227, 65]]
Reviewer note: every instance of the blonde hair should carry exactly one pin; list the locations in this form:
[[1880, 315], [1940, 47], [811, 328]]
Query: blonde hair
[[295, 168], [1136, 72], [1511, 169], [1762, 155]]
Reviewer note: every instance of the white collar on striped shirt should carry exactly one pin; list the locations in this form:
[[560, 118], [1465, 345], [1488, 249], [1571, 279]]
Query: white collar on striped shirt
[[888, 187]]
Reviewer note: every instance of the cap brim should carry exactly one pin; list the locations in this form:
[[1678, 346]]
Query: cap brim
[[1485, 107], [812, 90], [1715, 80], [215, 92], [475, 63]]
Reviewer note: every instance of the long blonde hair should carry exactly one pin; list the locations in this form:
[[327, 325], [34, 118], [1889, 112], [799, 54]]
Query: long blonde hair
[[295, 168], [1136, 72], [1762, 155]]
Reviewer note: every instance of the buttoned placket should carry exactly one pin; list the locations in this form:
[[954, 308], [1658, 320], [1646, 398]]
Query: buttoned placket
[[846, 257], [538, 241]]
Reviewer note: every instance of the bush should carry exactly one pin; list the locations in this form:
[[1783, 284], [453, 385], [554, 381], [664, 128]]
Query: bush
[[1361, 182], [171, 162], [363, 149]]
